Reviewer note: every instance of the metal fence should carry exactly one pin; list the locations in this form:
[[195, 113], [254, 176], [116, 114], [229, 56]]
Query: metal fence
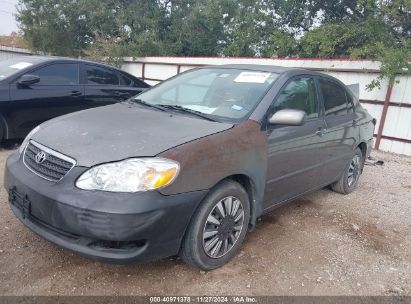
[[9, 52], [390, 105]]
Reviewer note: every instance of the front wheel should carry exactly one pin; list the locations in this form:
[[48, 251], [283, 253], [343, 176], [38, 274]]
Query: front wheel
[[349, 179], [218, 227]]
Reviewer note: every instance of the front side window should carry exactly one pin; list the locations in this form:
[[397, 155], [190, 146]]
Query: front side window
[[100, 75], [58, 74], [12, 66], [298, 94], [335, 98], [229, 94]]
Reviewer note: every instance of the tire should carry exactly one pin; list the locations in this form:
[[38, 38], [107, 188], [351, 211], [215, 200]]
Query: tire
[[208, 245], [349, 179], [1, 133]]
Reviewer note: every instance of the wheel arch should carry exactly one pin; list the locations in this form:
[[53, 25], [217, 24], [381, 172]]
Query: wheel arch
[[5, 127], [363, 147], [250, 187]]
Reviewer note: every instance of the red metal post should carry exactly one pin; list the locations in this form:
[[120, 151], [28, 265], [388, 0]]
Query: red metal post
[[143, 71], [384, 114]]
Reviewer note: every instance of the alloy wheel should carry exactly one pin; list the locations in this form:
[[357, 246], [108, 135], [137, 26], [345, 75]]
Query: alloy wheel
[[223, 227], [354, 170]]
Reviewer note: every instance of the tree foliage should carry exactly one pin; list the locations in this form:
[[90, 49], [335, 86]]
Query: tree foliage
[[110, 29]]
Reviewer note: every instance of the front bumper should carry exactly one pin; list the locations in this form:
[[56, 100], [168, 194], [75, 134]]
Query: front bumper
[[113, 227]]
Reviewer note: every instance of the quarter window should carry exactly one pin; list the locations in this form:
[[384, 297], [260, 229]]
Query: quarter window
[[299, 94], [99, 75], [58, 74], [335, 98]]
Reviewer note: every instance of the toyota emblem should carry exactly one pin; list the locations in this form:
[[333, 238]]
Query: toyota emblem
[[41, 157]]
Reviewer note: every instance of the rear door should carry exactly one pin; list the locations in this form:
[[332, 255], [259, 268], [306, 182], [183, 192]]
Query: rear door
[[104, 86], [58, 92], [295, 153], [341, 132], [130, 86]]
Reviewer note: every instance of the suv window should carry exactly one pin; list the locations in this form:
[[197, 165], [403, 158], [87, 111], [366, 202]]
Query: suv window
[[335, 98], [299, 94], [58, 74], [100, 75]]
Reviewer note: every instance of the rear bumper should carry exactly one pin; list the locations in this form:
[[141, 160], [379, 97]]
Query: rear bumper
[[113, 227]]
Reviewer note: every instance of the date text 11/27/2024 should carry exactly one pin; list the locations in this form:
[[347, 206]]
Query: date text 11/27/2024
[[203, 299]]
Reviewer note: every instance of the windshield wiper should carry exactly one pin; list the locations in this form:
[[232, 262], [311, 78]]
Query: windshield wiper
[[183, 109], [144, 103]]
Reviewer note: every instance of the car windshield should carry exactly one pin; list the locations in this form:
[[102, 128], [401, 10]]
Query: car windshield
[[11, 66], [215, 93]]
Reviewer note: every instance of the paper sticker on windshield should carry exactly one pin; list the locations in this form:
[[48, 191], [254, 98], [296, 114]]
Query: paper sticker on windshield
[[252, 77], [202, 109], [21, 65]]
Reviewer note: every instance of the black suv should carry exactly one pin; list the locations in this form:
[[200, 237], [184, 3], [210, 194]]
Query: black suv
[[34, 89]]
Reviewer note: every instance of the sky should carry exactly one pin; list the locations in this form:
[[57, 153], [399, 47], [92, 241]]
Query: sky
[[8, 23]]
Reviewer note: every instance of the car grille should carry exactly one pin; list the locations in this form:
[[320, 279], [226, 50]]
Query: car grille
[[46, 163]]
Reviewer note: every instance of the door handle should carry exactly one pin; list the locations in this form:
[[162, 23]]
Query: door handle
[[122, 94], [76, 93]]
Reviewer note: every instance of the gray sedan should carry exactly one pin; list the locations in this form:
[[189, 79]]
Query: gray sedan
[[188, 166]]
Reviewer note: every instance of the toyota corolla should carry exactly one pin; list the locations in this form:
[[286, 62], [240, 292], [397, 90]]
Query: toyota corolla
[[189, 165]]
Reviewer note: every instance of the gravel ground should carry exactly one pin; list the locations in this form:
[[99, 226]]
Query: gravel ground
[[321, 244]]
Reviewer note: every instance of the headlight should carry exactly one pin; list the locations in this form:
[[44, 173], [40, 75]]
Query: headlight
[[131, 175], [28, 137]]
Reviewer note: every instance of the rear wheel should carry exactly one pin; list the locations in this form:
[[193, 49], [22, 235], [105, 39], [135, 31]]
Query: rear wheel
[[349, 179], [218, 227]]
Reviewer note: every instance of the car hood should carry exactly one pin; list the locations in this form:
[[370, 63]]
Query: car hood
[[121, 131]]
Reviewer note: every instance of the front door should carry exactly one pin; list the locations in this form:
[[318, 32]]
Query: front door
[[57, 93], [295, 153]]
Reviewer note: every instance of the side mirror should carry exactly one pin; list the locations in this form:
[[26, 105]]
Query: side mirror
[[288, 117], [27, 80]]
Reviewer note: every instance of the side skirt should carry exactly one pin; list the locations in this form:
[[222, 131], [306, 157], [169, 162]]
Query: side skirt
[[284, 202]]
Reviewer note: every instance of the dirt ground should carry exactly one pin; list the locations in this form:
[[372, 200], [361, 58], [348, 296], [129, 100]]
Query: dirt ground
[[322, 244]]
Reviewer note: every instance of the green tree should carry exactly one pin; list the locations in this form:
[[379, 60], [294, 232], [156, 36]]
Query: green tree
[[110, 29], [195, 28], [57, 27]]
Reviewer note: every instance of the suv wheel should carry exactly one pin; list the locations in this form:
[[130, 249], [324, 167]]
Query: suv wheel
[[349, 179], [218, 227]]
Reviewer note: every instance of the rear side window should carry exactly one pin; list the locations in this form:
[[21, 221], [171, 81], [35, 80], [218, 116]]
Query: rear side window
[[58, 74], [140, 84], [299, 94], [125, 80], [101, 75], [336, 101]]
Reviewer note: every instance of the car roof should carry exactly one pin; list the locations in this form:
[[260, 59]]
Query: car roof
[[265, 68], [42, 59]]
